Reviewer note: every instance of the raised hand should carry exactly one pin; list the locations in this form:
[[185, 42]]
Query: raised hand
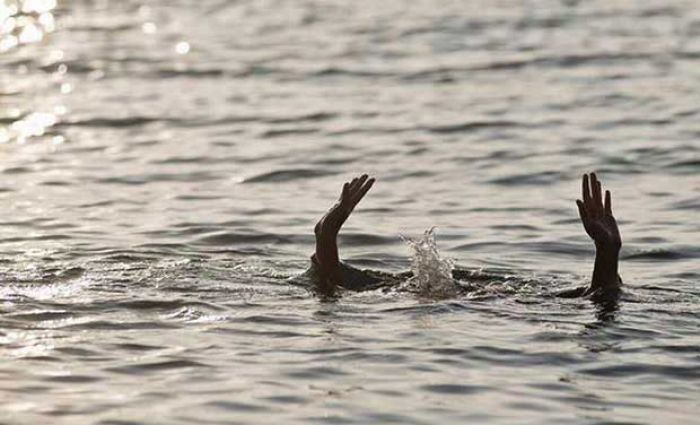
[[352, 194], [327, 228], [597, 216]]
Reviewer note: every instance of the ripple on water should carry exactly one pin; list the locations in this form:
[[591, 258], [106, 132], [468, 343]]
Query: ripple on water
[[156, 367], [154, 202], [280, 176], [454, 389]]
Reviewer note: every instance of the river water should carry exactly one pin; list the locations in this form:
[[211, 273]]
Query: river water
[[164, 162]]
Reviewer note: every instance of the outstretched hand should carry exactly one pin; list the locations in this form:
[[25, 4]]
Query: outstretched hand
[[327, 228], [352, 194], [597, 216]]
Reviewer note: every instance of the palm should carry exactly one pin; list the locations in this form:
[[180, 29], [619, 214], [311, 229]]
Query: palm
[[604, 230], [596, 214], [352, 194]]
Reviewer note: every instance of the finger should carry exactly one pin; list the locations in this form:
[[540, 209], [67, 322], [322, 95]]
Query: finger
[[594, 182], [585, 191], [583, 214], [351, 184], [608, 203], [345, 192], [363, 190], [360, 181], [581, 210], [596, 191]]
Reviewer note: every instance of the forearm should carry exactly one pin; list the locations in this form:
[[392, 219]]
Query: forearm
[[605, 269], [327, 253], [328, 262]]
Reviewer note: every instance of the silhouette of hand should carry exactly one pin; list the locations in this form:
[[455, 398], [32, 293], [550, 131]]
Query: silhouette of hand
[[597, 217], [352, 194]]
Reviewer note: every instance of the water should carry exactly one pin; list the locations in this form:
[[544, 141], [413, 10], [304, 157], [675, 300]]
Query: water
[[431, 275], [164, 162]]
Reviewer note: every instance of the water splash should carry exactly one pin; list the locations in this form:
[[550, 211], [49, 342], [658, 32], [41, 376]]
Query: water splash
[[432, 274]]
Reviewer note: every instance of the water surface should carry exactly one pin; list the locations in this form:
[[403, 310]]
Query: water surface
[[164, 162]]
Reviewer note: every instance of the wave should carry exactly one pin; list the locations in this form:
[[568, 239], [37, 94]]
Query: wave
[[278, 176], [662, 255]]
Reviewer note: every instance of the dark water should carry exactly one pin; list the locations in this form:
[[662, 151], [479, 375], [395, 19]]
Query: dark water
[[164, 162]]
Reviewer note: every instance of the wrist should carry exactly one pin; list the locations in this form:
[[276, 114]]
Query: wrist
[[608, 249]]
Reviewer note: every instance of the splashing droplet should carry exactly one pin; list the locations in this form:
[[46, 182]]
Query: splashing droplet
[[432, 274]]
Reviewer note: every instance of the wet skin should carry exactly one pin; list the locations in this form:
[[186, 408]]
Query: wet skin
[[594, 210], [599, 222], [327, 228]]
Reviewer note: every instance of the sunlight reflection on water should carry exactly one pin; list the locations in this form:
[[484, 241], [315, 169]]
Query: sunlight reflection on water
[[163, 163], [23, 22]]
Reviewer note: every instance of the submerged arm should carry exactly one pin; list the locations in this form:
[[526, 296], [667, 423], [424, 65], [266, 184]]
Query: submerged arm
[[326, 256], [598, 221]]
